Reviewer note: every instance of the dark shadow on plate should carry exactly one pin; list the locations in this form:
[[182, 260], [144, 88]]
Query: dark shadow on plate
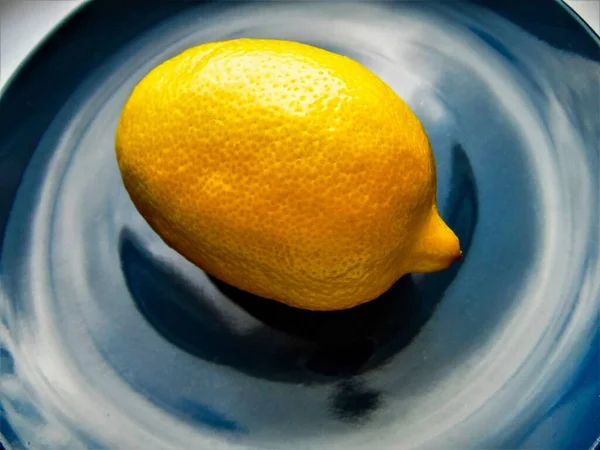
[[353, 401]]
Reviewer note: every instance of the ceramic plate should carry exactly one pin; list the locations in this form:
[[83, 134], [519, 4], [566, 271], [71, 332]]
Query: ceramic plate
[[111, 340]]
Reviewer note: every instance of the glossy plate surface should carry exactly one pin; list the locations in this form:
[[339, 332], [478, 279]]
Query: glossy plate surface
[[109, 339]]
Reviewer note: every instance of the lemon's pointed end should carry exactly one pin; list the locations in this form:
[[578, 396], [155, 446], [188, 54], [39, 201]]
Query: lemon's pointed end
[[437, 246]]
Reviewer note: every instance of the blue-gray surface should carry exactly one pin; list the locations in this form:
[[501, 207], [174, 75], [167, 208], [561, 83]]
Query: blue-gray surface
[[109, 339]]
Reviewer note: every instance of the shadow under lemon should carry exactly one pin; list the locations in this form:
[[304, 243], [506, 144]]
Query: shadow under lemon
[[294, 345]]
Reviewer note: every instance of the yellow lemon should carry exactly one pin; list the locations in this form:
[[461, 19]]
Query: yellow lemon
[[285, 170]]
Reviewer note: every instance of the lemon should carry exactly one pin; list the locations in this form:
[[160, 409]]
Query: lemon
[[285, 170]]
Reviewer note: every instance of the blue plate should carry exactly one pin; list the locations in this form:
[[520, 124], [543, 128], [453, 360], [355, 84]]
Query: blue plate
[[109, 339]]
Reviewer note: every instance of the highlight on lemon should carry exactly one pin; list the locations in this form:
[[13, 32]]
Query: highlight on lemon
[[285, 170]]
